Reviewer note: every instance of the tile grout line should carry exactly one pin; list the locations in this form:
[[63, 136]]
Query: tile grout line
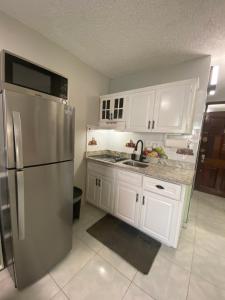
[[147, 293], [60, 289], [193, 249], [126, 290]]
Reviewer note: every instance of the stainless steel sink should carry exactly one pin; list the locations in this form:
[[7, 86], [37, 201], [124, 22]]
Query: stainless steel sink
[[136, 164]]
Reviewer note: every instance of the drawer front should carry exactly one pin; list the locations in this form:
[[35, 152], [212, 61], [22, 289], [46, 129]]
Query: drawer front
[[130, 178], [101, 170], [164, 188]]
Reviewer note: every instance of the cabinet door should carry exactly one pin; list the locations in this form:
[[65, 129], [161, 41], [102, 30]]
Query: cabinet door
[[92, 189], [118, 110], [105, 109], [127, 203], [106, 194], [159, 217], [141, 106], [170, 107]]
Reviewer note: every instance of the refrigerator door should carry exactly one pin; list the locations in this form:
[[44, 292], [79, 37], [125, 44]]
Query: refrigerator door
[[41, 216], [44, 129]]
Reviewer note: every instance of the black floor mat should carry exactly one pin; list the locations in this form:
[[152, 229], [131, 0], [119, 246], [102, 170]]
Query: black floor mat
[[134, 246]]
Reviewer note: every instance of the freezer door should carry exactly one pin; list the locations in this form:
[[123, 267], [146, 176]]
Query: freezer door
[[41, 218], [43, 129]]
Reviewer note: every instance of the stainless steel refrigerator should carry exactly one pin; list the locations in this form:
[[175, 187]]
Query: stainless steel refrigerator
[[36, 183]]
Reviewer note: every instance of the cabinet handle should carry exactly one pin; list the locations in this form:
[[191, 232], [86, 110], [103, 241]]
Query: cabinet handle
[[137, 196], [99, 182], [143, 200], [153, 124], [160, 187], [111, 115], [149, 124]]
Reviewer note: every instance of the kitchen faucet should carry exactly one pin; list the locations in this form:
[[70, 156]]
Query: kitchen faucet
[[142, 149]]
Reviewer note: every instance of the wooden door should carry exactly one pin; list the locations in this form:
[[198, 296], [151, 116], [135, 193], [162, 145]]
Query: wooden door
[[141, 111], [210, 176]]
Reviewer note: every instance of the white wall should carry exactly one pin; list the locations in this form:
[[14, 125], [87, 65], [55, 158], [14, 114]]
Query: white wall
[[85, 84], [190, 69]]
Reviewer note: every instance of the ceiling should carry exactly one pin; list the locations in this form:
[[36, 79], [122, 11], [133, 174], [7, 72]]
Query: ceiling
[[118, 37]]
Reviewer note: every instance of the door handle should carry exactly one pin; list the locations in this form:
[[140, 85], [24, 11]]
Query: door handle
[[149, 124], [202, 158], [160, 187], [20, 205], [143, 200], [137, 196], [17, 131], [153, 124]]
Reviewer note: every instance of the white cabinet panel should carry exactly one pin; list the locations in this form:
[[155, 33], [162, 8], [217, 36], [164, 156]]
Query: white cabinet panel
[[163, 188], [100, 188], [170, 107], [159, 217], [127, 203], [92, 188], [106, 195], [141, 106]]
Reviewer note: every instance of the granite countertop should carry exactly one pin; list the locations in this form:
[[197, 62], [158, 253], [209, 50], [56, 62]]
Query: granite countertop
[[167, 170]]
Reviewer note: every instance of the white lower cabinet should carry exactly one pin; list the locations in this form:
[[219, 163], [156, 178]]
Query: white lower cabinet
[[92, 188], [100, 191], [106, 194], [159, 216], [151, 205], [127, 203]]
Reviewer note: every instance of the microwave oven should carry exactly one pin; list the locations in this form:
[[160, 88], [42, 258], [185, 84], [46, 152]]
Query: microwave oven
[[23, 73]]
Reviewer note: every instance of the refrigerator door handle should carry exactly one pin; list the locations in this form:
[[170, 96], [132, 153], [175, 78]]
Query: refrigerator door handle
[[18, 139], [20, 205]]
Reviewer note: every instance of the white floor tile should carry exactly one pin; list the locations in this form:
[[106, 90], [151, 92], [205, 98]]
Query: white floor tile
[[164, 281], [188, 231], [44, 289], [97, 280], [4, 274], [210, 241], [209, 266], [72, 263], [60, 296], [182, 256], [135, 293], [200, 289], [119, 263]]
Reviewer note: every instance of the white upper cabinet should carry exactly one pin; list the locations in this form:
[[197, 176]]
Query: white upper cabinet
[[171, 108], [166, 108], [113, 109], [141, 108]]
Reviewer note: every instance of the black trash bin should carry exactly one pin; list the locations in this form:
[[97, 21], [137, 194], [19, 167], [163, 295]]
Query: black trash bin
[[77, 194]]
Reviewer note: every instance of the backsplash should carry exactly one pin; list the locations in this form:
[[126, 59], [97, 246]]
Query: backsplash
[[116, 141]]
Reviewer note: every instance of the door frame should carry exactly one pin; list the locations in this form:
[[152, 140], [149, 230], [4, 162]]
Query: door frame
[[200, 138]]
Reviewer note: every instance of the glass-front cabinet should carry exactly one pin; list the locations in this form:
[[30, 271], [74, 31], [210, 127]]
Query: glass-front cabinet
[[112, 108]]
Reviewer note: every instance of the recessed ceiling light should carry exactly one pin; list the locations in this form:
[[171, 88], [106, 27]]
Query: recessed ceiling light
[[212, 92], [214, 75]]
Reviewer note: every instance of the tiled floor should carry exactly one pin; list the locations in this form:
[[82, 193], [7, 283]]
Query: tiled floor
[[195, 271]]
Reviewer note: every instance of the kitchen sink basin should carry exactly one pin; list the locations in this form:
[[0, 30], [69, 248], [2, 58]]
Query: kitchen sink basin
[[136, 164]]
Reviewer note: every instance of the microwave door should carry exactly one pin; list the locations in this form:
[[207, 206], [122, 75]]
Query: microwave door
[[45, 129]]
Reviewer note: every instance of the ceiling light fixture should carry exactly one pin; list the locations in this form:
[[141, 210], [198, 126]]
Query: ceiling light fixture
[[213, 80]]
